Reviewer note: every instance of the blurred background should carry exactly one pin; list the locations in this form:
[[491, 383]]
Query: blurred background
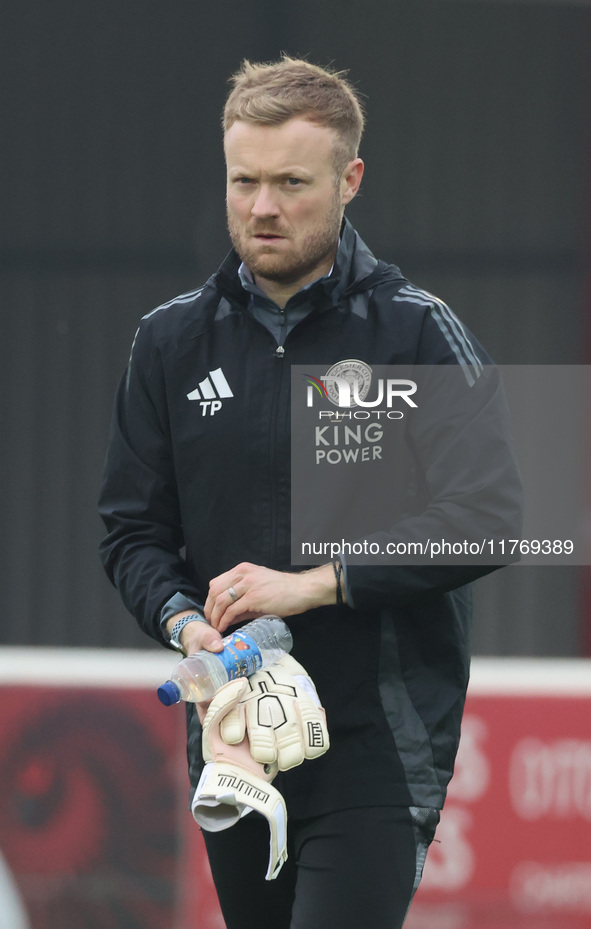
[[112, 196], [477, 185]]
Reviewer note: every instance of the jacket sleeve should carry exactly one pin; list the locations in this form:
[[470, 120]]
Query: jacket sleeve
[[468, 487], [138, 499]]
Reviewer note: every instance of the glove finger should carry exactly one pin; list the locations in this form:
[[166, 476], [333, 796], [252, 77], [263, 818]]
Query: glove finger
[[233, 725], [315, 739], [288, 737], [290, 750], [226, 697], [263, 717]]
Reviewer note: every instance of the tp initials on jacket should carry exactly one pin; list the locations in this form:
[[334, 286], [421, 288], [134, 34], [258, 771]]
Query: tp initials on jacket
[[211, 391]]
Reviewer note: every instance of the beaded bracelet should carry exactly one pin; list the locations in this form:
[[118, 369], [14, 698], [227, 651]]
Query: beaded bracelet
[[338, 570]]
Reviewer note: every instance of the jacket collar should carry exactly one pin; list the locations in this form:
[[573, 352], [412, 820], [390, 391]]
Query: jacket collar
[[355, 270]]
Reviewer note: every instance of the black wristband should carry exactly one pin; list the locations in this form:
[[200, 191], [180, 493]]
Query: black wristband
[[338, 570]]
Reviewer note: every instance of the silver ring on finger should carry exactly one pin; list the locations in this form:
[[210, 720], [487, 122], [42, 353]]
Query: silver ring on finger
[[233, 593]]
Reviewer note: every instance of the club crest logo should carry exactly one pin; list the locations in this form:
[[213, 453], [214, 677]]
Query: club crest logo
[[356, 373]]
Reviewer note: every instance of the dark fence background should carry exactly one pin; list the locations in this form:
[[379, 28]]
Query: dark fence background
[[112, 200]]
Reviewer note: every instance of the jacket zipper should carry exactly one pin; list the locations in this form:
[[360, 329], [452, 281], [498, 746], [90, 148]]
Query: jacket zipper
[[280, 350], [275, 410]]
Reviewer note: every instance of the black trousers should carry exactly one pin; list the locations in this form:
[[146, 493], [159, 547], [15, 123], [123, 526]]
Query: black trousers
[[352, 868]]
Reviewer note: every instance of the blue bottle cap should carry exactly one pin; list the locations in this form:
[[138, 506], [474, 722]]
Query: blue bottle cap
[[168, 693]]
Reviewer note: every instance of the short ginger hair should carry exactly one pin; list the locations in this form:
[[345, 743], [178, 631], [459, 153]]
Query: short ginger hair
[[275, 92]]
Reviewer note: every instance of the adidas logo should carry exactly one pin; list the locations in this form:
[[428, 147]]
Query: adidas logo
[[211, 391]]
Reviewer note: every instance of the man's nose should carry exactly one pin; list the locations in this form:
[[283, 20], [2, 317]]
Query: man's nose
[[265, 203]]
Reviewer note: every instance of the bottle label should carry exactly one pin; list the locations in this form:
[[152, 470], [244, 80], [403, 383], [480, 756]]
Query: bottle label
[[241, 656]]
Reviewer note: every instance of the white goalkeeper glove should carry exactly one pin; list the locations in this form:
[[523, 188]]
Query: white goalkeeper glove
[[254, 727], [233, 784], [281, 715]]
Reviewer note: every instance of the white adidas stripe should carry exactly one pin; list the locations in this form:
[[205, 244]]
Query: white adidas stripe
[[450, 326], [454, 323], [183, 298], [221, 384], [206, 390]]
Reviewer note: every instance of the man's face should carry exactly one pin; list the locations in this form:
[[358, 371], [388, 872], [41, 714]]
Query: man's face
[[284, 203]]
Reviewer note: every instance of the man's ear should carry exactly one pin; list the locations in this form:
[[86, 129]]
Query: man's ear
[[351, 180]]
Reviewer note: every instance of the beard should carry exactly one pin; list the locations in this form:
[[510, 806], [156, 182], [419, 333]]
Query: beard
[[291, 263]]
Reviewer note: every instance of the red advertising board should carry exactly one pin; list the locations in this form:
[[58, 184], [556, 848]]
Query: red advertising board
[[89, 793], [514, 844]]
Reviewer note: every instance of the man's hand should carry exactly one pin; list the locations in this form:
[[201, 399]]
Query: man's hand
[[248, 591], [196, 636]]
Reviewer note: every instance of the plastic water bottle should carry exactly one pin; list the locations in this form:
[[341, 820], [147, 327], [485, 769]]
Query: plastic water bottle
[[256, 645]]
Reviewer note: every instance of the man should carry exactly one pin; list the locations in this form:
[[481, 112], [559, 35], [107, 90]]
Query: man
[[200, 459]]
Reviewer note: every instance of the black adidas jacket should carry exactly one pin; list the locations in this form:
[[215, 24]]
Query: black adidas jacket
[[198, 479]]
